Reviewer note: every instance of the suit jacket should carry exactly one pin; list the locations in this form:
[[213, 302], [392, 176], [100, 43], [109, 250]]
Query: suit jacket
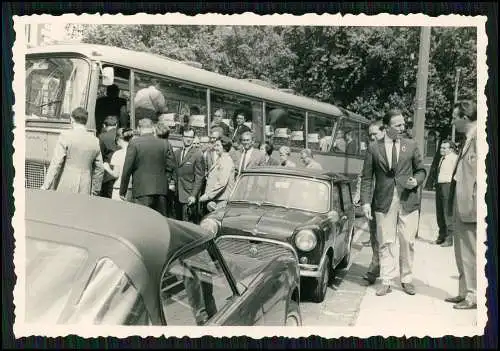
[[107, 143], [238, 130], [220, 179], [410, 164], [189, 174], [464, 183], [257, 158], [149, 161], [272, 161], [76, 164]]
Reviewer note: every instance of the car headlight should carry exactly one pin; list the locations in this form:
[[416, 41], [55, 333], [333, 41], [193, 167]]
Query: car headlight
[[306, 240], [210, 225]]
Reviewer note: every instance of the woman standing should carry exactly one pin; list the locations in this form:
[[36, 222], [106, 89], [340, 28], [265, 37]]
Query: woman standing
[[76, 164], [220, 178], [123, 136]]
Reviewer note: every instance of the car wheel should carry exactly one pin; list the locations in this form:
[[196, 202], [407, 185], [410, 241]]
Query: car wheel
[[321, 285], [293, 318], [345, 261]]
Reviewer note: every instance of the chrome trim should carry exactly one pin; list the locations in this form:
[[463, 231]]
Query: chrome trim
[[253, 238], [313, 270]]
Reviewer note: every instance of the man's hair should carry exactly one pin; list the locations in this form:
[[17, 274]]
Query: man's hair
[[226, 143], [80, 115], [467, 108], [389, 114], [125, 134], [162, 130], [269, 148], [111, 121], [377, 123], [112, 90], [447, 141], [307, 153]]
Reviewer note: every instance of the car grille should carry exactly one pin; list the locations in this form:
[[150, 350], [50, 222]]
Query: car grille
[[34, 174], [256, 249]]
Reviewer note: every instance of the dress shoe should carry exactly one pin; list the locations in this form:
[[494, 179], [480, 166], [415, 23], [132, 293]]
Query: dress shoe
[[455, 299], [383, 290], [447, 243], [465, 305], [408, 288], [371, 279], [439, 241]]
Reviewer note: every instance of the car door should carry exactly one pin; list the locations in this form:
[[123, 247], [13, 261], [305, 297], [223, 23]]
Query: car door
[[339, 227], [348, 207]]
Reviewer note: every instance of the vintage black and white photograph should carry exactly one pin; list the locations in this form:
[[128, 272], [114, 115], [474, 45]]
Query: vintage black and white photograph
[[314, 175]]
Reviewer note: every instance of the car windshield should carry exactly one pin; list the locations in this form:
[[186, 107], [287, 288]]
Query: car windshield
[[55, 86], [51, 269], [286, 191]]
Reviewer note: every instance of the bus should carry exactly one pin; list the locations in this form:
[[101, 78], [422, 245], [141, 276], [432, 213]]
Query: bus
[[62, 77]]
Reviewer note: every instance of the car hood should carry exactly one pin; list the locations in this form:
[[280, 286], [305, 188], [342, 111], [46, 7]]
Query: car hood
[[266, 221]]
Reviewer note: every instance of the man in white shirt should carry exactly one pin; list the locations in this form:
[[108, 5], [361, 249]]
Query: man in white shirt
[[250, 157], [445, 170]]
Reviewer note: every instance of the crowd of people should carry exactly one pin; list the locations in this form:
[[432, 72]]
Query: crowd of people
[[141, 166], [392, 173]]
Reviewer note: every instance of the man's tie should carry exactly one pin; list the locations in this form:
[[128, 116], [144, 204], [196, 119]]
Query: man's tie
[[394, 160], [183, 154], [243, 162]]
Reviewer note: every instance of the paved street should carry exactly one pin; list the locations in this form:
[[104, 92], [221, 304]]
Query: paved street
[[350, 303]]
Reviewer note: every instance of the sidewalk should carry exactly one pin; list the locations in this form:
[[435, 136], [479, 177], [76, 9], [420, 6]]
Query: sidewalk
[[435, 278]]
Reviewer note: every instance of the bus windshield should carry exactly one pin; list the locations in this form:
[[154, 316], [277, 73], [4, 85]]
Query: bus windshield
[[55, 86]]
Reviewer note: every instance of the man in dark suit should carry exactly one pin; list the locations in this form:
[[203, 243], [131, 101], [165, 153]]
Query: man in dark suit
[[189, 177], [250, 156], [240, 127], [397, 165], [463, 207], [107, 143], [111, 105], [148, 161]]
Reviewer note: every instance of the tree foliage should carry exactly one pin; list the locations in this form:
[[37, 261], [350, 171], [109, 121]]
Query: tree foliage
[[365, 69]]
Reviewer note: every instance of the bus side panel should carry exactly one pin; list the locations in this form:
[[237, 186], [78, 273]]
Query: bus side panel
[[39, 149]]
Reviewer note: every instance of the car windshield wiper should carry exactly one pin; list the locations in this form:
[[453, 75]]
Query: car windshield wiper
[[247, 202], [269, 203]]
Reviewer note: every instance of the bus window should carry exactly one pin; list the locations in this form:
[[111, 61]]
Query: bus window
[[55, 87], [235, 114], [364, 139], [347, 138], [320, 130], [176, 103], [285, 126]]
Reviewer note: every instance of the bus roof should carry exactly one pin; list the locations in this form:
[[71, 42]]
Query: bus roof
[[158, 64]]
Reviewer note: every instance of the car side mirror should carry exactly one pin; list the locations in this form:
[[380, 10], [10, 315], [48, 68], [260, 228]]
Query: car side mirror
[[334, 216], [108, 76]]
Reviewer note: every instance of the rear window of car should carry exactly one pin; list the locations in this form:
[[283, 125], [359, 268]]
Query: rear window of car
[[51, 270], [292, 192]]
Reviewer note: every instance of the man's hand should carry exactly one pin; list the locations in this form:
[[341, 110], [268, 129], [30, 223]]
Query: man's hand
[[203, 198], [367, 210], [411, 183], [191, 200]]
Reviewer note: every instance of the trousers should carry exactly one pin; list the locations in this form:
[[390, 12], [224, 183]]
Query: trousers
[[393, 225]]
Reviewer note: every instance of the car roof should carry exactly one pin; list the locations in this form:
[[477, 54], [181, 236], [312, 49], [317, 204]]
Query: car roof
[[301, 172], [146, 232]]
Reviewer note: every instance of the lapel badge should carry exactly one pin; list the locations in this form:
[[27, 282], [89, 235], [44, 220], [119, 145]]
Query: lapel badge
[[403, 148]]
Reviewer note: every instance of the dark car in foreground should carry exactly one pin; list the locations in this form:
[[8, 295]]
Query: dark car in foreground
[[91, 260], [311, 210]]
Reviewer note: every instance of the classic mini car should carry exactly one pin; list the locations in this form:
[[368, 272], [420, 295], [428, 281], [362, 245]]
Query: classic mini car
[[91, 260], [311, 210]]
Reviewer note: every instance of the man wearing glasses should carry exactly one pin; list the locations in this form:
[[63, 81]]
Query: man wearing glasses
[[189, 177]]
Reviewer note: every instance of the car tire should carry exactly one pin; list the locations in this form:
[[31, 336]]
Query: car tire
[[293, 317], [321, 284], [347, 258]]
